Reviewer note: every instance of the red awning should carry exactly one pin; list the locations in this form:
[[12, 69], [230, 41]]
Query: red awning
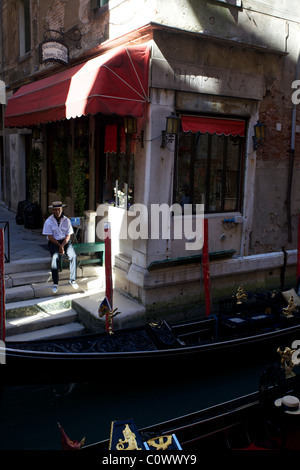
[[113, 83], [212, 125], [111, 136]]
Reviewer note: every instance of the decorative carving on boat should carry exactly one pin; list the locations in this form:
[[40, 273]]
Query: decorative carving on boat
[[161, 442], [241, 296], [286, 362], [129, 442], [291, 307], [124, 341]]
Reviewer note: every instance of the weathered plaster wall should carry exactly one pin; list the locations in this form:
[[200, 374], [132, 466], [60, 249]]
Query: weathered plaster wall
[[17, 170], [275, 226]]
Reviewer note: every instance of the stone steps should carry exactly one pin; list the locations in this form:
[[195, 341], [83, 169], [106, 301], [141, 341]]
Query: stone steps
[[39, 321], [33, 312], [25, 265], [68, 315], [62, 331], [43, 320], [31, 277], [41, 289], [25, 285]]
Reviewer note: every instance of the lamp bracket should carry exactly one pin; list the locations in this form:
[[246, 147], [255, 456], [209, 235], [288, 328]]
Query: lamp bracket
[[139, 138], [166, 139], [73, 34]]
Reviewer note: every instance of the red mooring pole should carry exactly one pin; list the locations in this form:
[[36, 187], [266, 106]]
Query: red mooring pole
[[206, 270], [298, 252], [2, 287], [108, 272]]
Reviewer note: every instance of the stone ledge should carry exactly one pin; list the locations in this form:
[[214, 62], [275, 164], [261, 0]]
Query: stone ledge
[[62, 331], [219, 268], [41, 290], [132, 313], [26, 265], [38, 321]]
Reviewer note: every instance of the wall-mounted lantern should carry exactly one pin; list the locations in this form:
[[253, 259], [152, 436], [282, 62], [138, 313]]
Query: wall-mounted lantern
[[172, 129], [36, 133], [130, 124], [259, 134]]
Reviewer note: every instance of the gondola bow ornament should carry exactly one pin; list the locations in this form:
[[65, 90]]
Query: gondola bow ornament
[[106, 310]]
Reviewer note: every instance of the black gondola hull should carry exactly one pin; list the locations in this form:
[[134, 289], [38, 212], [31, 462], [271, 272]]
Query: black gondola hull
[[31, 365], [250, 422]]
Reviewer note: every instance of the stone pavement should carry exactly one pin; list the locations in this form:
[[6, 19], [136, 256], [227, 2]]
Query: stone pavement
[[24, 243]]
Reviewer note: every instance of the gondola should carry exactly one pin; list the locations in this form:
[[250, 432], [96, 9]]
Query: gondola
[[257, 421], [255, 325]]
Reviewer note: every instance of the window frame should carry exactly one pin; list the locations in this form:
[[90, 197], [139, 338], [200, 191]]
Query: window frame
[[24, 27], [239, 195]]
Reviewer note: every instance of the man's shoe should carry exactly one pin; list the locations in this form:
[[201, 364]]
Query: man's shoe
[[73, 284], [54, 288]]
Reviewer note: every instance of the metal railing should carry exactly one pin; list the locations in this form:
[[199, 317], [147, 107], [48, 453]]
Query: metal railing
[[5, 225]]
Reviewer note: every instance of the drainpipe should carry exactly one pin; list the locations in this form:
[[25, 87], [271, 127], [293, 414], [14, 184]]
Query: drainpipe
[[291, 165], [1, 39], [2, 189]]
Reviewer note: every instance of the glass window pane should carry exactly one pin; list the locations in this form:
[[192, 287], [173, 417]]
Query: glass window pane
[[200, 172], [208, 171], [119, 177], [232, 173], [27, 24], [216, 173], [183, 170]]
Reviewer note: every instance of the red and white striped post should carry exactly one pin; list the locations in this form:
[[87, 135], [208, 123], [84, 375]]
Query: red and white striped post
[[206, 269], [108, 270], [2, 287]]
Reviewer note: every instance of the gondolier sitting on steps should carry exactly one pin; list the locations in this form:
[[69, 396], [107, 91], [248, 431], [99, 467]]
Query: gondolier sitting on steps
[[58, 229]]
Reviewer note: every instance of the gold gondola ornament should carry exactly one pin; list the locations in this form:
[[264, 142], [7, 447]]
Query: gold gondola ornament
[[291, 307], [286, 362], [241, 295], [106, 310], [124, 435]]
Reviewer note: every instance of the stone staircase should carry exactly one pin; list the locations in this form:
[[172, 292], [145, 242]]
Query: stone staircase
[[43, 320], [33, 311], [68, 315], [25, 280]]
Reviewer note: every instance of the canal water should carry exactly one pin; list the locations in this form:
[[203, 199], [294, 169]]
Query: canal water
[[29, 414]]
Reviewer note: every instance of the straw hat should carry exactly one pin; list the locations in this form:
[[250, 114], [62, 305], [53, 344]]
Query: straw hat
[[56, 204], [289, 404]]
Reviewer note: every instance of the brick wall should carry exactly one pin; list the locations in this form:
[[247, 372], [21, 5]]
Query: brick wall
[[275, 222]]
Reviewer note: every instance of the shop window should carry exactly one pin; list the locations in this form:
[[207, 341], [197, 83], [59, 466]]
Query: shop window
[[119, 180], [119, 173], [81, 169], [24, 27], [58, 159], [209, 170]]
